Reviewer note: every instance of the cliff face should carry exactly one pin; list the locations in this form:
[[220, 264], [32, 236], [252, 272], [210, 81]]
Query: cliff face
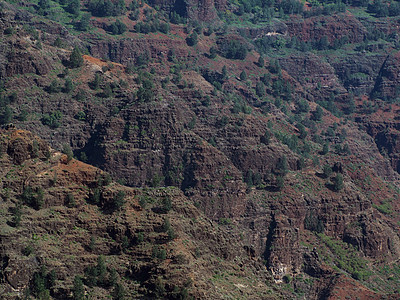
[[199, 10], [69, 237], [261, 186], [333, 27]]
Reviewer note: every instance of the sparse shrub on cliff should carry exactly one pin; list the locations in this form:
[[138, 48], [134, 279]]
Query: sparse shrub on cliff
[[260, 89], [139, 237], [95, 196], [68, 86], [325, 149], [166, 204], [9, 31], [159, 253], [261, 61], [107, 91]]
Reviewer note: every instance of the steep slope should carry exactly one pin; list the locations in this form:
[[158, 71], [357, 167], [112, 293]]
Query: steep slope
[[278, 179]]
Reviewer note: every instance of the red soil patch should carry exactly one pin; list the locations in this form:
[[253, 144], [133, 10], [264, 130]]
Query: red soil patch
[[100, 62]]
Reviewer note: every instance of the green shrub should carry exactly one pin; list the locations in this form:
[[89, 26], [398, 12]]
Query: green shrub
[[119, 292], [327, 171], [338, 182], [27, 250], [78, 291], [68, 151], [139, 237], [75, 59], [118, 200], [233, 49], [192, 39], [70, 200], [31, 198], [17, 214], [9, 31], [52, 120]]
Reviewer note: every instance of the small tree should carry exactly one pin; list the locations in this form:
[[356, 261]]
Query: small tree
[[243, 75], [318, 113], [17, 214], [119, 292], [107, 91], [213, 52], [119, 200], [192, 39], [224, 73], [167, 204], [280, 182], [76, 59], [68, 151], [101, 270], [70, 200], [302, 131], [261, 61], [78, 290], [113, 278], [327, 171], [282, 166], [84, 23], [249, 178], [266, 138], [68, 86], [338, 182], [260, 89], [325, 149], [73, 7]]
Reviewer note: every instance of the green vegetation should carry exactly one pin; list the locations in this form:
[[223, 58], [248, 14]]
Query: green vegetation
[[118, 200], [338, 182], [33, 197], [78, 290], [75, 59], [346, 257], [385, 207], [53, 120], [68, 151], [233, 49]]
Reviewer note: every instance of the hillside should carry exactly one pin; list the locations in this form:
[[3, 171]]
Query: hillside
[[222, 150]]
